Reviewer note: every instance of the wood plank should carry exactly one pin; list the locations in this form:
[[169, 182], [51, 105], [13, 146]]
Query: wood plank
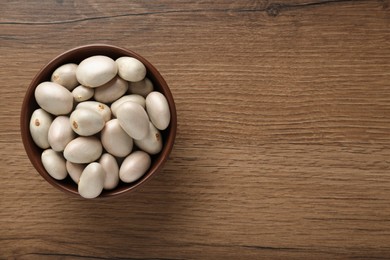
[[283, 131]]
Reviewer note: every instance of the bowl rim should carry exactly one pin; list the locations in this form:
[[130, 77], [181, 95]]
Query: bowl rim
[[25, 119]]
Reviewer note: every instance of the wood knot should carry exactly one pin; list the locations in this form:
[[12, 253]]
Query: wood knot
[[273, 9]]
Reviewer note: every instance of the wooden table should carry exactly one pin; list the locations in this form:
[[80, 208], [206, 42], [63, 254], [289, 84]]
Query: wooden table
[[283, 145]]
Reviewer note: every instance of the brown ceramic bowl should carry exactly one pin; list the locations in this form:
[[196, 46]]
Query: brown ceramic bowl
[[76, 55]]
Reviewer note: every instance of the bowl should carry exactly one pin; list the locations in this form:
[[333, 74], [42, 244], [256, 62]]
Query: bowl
[[76, 55]]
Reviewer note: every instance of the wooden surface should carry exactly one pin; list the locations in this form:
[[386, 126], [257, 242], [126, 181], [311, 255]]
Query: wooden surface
[[283, 145]]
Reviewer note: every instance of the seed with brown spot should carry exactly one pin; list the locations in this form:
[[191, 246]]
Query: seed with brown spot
[[75, 125], [37, 123], [157, 137], [101, 107]]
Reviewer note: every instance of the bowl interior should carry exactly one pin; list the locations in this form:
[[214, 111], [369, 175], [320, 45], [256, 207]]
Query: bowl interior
[[76, 56]]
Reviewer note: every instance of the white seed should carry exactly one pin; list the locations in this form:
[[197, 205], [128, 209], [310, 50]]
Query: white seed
[[91, 181], [131, 69], [86, 121], [75, 170], [39, 127], [133, 119], [110, 166], [65, 75], [152, 143], [60, 133], [134, 166], [115, 140], [143, 87], [54, 164], [158, 110], [83, 149], [99, 107], [96, 71], [54, 98], [111, 91], [133, 98], [82, 93]]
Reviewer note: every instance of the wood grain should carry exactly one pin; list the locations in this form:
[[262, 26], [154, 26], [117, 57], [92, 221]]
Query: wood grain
[[283, 141]]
